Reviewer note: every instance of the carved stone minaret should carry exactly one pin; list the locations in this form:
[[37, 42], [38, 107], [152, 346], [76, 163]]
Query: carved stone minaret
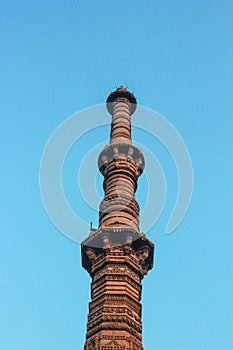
[[117, 255]]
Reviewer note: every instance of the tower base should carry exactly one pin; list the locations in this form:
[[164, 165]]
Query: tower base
[[114, 319]]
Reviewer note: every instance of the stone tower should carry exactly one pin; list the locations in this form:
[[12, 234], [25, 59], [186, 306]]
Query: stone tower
[[117, 255]]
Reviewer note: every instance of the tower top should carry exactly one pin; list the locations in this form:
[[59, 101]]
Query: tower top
[[121, 92]]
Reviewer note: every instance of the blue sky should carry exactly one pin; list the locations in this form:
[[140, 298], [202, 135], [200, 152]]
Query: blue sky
[[59, 57]]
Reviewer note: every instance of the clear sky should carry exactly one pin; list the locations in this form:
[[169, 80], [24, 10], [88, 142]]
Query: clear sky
[[58, 57]]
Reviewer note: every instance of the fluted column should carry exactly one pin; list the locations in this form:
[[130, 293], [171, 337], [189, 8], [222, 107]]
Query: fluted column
[[121, 121]]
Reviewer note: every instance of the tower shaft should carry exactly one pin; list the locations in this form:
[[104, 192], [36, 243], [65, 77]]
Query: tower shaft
[[117, 255]]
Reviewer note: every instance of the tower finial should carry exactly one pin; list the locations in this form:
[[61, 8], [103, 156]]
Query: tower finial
[[121, 92]]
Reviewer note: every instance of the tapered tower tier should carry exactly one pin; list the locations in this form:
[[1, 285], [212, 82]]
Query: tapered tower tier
[[116, 254]]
